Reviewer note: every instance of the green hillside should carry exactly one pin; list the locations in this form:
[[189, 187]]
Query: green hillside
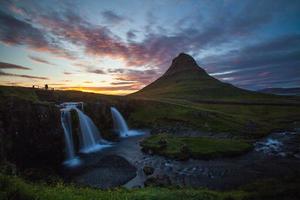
[[185, 80]]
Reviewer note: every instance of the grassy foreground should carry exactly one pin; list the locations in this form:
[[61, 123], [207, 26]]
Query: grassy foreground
[[194, 147], [14, 188]]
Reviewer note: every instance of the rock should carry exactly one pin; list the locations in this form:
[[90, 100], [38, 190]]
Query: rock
[[148, 170], [159, 180], [184, 153], [297, 155], [162, 143]]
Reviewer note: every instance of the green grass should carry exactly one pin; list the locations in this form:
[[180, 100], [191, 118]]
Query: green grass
[[18, 92], [194, 147], [14, 188], [165, 112], [246, 121]]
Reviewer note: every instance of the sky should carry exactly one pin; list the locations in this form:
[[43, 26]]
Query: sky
[[118, 47]]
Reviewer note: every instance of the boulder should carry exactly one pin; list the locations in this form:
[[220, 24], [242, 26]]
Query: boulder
[[148, 170]]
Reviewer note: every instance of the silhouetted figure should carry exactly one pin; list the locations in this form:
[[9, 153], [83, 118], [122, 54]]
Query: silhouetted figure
[[46, 87]]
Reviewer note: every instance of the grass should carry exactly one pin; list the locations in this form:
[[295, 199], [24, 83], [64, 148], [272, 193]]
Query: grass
[[14, 188], [194, 147], [19, 92], [246, 121], [165, 112]]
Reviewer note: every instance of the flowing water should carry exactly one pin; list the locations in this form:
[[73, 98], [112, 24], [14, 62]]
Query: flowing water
[[120, 124], [90, 139]]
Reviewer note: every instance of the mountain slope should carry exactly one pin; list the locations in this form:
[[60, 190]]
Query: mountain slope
[[282, 91], [186, 80]]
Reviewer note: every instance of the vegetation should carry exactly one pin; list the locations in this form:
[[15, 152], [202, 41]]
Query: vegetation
[[245, 121], [14, 188], [185, 80], [237, 118], [194, 147]]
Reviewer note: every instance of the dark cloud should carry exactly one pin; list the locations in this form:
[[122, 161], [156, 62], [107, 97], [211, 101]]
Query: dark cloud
[[40, 60], [14, 31], [116, 71], [22, 76], [123, 82], [131, 35], [68, 73], [283, 51], [112, 17], [96, 71], [265, 62], [4, 65]]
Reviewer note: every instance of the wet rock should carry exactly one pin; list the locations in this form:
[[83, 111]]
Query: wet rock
[[297, 155], [148, 170], [159, 180], [184, 153]]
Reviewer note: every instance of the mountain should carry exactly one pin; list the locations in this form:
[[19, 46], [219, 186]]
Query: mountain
[[282, 91], [186, 80]]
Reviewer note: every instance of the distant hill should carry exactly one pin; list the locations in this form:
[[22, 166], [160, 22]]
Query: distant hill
[[282, 91], [185, 80]]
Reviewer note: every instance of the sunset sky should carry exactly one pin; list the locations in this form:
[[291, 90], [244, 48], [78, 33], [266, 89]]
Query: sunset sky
[[118, 47]]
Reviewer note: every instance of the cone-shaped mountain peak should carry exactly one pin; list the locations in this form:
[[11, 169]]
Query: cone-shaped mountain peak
[[186, 80], [183, 62]]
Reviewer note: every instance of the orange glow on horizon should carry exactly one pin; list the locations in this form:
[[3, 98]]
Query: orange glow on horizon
[[99, 91]]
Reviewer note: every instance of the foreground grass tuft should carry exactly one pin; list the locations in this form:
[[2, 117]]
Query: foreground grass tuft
[[14, 188], [194, 147]]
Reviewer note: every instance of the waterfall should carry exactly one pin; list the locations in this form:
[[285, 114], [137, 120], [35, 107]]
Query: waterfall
[[120, 124], [90, 139], [66, 124]]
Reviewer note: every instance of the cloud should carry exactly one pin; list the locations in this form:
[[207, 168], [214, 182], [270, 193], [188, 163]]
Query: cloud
[[281, 51], [239, 26], [112, 17], [131, 35], [116, 71], [40, 60], [123, 83], [23, 76], [96, 71], [14, 31], [4, 65], [123, 89], [68, 73], [141, 77]]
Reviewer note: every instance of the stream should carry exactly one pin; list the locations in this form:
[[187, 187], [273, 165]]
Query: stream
[[274, 156]]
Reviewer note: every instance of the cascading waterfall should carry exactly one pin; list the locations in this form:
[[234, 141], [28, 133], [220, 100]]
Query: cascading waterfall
[[120, 124], [66, 124], [90, 139]]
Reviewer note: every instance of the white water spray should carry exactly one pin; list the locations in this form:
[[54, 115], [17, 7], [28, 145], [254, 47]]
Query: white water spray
[[89, 139], [120, 124]]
